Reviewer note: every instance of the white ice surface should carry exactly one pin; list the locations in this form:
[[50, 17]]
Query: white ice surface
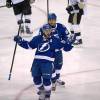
[[81, 68]]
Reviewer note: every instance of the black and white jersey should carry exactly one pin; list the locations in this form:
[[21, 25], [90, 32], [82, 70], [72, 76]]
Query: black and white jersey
[[16, 1], [81, 4], [73, 2]]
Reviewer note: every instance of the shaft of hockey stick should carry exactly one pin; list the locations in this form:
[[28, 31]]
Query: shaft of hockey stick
[[47, 9], [2, 6], [14, 52], [68, 2]]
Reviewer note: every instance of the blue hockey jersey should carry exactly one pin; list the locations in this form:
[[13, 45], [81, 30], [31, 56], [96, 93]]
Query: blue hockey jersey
[[45, 48], [59, 31]]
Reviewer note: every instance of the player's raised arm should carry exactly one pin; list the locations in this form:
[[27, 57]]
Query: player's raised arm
[[27, 44]]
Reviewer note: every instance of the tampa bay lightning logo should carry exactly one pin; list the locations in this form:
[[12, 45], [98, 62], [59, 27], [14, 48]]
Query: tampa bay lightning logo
[[44, 47], [56, 35]]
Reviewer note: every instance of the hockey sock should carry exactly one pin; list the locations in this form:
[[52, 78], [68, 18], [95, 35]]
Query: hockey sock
[[37, 81]]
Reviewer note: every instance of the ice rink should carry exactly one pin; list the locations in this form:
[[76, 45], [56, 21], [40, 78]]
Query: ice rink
[[81, 68]]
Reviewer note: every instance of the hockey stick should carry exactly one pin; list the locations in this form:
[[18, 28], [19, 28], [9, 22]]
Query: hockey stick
[[2, 6], [14, 52], [68, 2], [47, 9]]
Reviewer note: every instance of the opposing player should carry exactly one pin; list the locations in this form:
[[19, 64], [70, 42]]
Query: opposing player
[[44, 57], [19, 7], [75, 10]]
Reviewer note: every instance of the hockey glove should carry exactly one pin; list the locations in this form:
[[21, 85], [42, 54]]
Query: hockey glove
[[8, 4], [69, 9], [67, 47], [17, 39], [56, 43]]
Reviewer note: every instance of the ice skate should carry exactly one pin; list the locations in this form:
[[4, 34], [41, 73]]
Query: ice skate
[[41, 93], [47, 95], [53, 86], [60, 82], [47, 98], [78, 42]]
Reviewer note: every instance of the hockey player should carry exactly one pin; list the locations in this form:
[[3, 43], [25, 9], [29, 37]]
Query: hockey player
[[61, 32], [75, 10], [19, 7], [44, 58]]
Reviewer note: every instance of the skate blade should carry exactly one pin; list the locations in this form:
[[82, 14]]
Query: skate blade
[[78, 46], [60, 85]]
